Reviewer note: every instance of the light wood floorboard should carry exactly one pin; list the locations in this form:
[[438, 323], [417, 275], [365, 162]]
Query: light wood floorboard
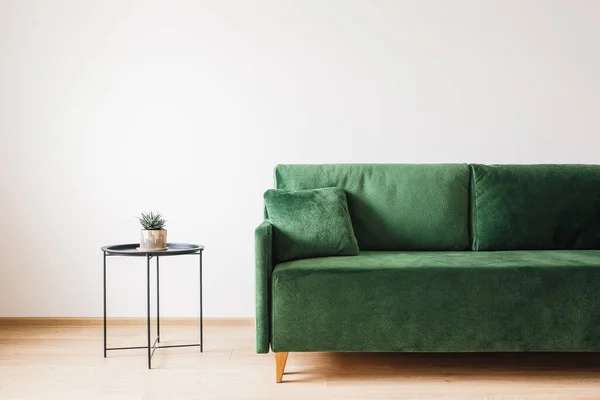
[[63, 362]]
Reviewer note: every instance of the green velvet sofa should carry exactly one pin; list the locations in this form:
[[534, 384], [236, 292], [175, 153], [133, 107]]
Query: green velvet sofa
[[453, 258]]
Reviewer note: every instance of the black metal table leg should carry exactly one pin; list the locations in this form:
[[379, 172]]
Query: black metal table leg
[[104, 301], [201, 333], [157, 301], [148, 314]]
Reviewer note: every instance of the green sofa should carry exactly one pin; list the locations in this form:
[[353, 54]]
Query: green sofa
[[453, 258]]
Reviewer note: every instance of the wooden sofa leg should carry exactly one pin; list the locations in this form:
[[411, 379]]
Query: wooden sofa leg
[[280, 359]]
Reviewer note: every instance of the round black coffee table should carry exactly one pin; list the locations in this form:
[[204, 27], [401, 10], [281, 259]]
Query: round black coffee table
[[131, 250]]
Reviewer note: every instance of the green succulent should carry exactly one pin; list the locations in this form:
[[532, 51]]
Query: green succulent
[[152, 221]]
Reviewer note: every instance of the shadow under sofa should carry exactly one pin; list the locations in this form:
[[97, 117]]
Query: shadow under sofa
[[453, 258]]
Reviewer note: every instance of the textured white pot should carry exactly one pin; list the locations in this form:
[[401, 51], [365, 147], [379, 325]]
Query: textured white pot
[[154, 239]]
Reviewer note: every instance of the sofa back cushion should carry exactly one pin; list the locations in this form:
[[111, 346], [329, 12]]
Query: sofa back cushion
[[535, 207], [395, 206]]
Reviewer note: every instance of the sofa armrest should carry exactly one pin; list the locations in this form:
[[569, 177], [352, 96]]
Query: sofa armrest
[[263, 242]]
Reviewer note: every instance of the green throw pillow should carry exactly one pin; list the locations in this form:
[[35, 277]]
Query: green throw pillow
[[310, 223]]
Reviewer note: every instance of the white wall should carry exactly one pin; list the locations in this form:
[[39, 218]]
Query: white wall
[[208, 96]]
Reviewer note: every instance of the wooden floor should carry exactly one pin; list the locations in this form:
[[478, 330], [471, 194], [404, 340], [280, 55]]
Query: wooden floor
[[67, 363]]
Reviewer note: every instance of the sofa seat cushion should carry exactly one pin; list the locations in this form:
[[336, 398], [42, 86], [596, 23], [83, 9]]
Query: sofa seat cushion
[[439, 301]]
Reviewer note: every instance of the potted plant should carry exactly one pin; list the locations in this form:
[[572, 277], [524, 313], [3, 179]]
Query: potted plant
[[154, 237]]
